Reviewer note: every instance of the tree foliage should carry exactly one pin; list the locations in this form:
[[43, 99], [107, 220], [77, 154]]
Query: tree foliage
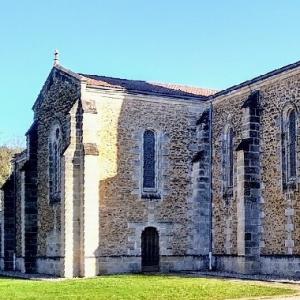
[[6, 155]]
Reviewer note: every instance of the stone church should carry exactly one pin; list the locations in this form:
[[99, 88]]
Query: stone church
[[129, 176]]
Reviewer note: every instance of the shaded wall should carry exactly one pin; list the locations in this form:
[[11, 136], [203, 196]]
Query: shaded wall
[[278, 215]]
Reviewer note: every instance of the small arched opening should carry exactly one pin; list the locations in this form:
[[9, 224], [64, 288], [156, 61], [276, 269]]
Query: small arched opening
[[150, 250]]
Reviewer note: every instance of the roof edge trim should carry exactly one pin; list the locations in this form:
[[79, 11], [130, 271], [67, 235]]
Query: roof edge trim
[[256, 79]]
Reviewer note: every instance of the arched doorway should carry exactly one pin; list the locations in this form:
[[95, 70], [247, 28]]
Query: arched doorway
[[150, 250]]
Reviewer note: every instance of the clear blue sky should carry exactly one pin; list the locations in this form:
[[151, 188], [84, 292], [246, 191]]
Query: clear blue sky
[[205, 43]]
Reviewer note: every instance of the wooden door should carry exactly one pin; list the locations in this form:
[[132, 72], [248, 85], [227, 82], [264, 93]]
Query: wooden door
[[150, 250]]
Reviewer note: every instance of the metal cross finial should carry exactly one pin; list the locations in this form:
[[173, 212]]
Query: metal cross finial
[[56, 57]]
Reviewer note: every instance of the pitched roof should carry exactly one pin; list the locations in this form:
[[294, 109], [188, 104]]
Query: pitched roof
[[256, 79], [166, 89]]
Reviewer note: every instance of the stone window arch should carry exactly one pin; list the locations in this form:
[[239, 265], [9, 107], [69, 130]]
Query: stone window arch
[[149, 160], [289, 144], [228, 159], [55, 149]]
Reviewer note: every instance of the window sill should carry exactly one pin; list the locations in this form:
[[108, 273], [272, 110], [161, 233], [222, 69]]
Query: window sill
[[151, 195], [291, 184], [228, 193], [54, 199]]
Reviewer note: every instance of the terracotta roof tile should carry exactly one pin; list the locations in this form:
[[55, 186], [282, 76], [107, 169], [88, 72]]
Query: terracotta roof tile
[[148, 87]]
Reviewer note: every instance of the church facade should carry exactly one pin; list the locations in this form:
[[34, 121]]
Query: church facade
[[129, 176]]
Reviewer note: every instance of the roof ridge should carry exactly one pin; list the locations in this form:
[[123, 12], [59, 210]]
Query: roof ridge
[[151, 82], [182, 85], [109, 77]]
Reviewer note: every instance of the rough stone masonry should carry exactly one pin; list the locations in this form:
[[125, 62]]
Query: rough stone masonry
[[129, 176]]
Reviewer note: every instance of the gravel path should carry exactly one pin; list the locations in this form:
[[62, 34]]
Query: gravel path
[[260, 279], [29, 276], [267, 278]]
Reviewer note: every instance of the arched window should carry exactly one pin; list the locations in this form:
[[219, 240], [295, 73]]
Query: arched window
[[149, 178], [55, 164], [228, 158], [292, 144], [289, 151]]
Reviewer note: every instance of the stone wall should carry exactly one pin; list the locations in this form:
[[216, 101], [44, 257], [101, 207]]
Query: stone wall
[[124, 213], [170, 263], [9, 229], [20, 210], [13, 219], [281, 215], [53, 106], [226, 112], [277, 213], [199, 205]]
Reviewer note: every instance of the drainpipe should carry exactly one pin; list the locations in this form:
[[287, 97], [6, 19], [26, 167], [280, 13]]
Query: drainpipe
[[211, 195], [14, 261], [15, 214], [15, 204]]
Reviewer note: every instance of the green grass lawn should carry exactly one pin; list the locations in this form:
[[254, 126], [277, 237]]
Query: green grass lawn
[[136, 287]]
